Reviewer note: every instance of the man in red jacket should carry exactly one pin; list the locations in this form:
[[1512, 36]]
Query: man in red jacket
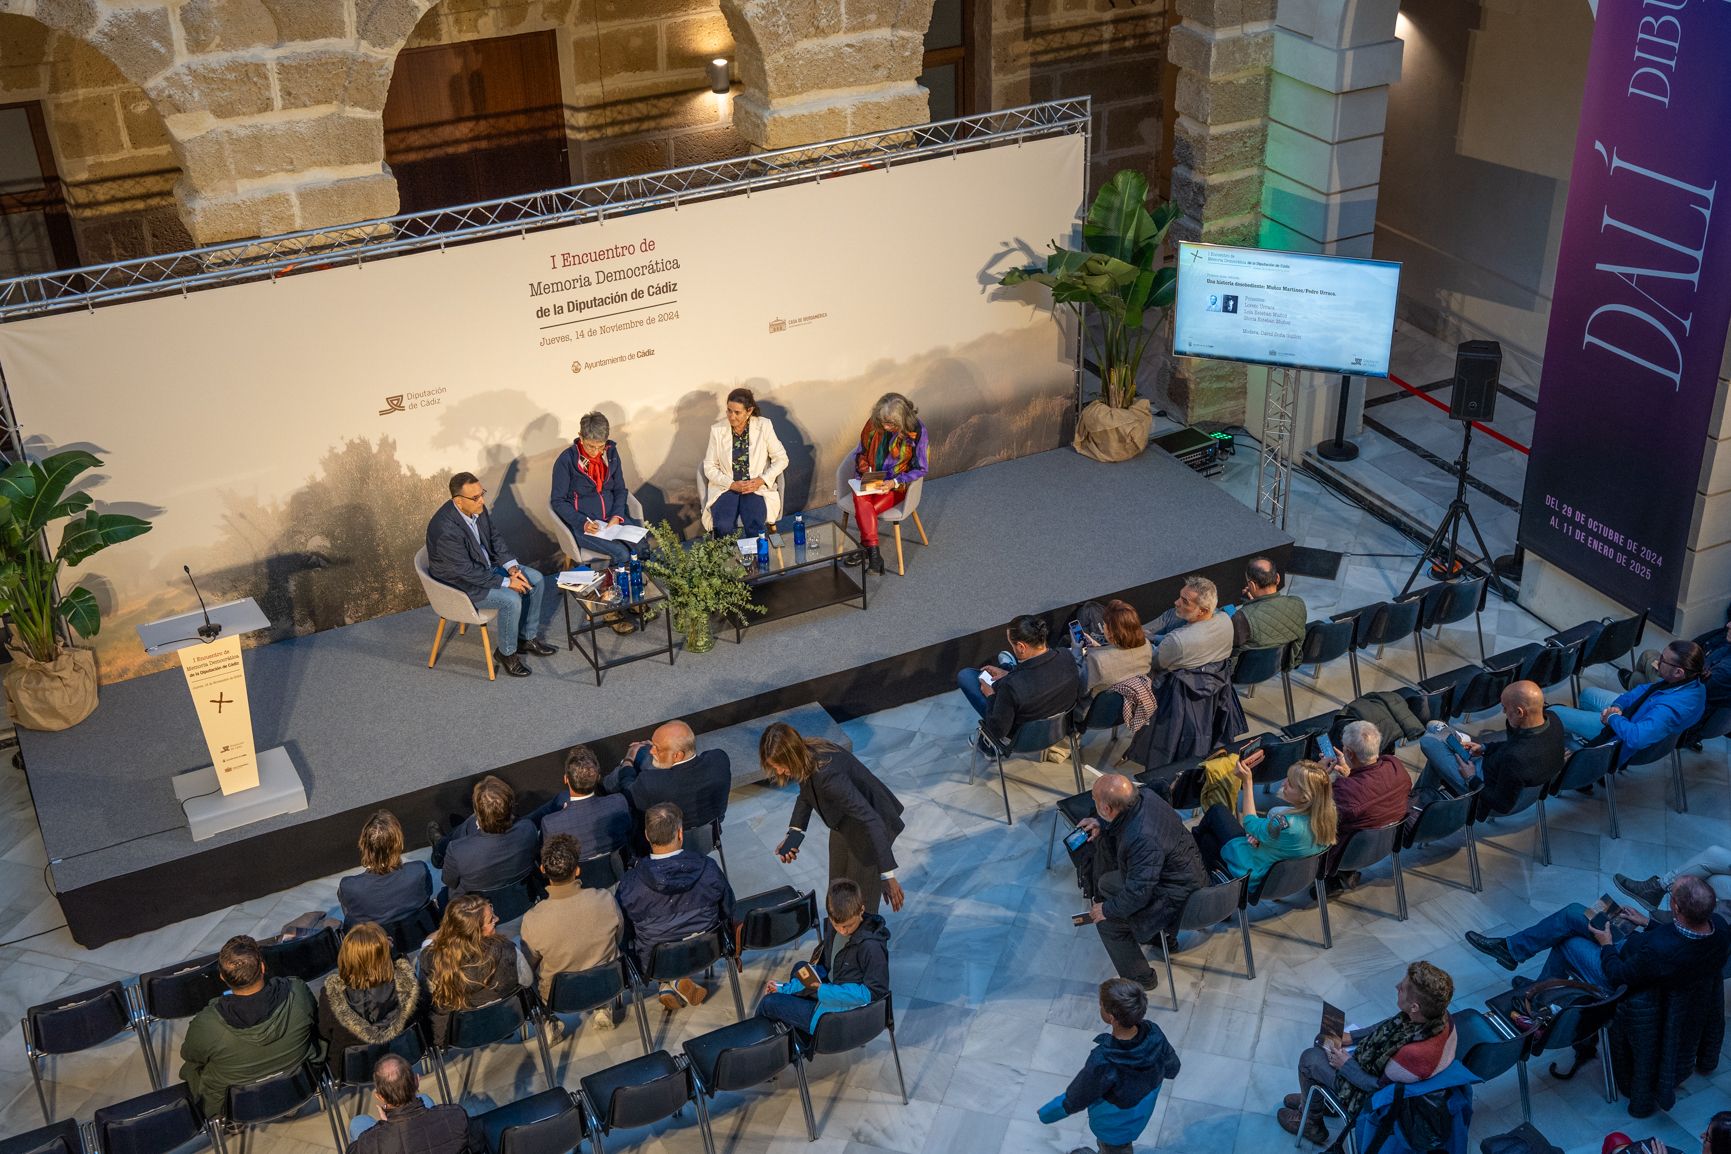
[[1371, 790]]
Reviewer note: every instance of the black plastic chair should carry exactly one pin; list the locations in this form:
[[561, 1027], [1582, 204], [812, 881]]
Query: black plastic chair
[[1363, 849], [1378, 624], [1030, 737], [1483, 1048], [578, 991], [256, 1103], [1254, 666], [748, 1054], [1474, 689], [705, 839], [670, 961], [1533, 795], [641, 1092], [1186, 790], [1575, 1024], [62, 1137], [308, 958], [1545, 663], [512, 901], [407, 933], [474, 1029], [1428, 704], [1589, 765], [176, 992], [352, 1067], [1105, 711], [1324, 641], [1204, 909], [551, 1122], [602, 872], [839, 1031], [1603, 642], [1069, 810], [1291, 877], [1450, 601], [1658, 751], [1279, 754], [76, 1022], [772, 920], [1444, 818]]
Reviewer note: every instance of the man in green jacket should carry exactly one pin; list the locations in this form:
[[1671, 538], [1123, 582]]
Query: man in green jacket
[[262, 1026], [1268, 616]]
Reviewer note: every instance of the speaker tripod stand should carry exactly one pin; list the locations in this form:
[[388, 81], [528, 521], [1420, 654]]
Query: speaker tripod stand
[[1449, 530]]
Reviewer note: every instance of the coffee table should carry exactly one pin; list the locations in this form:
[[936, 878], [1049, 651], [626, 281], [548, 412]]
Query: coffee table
[[593, 605], [799, 580]]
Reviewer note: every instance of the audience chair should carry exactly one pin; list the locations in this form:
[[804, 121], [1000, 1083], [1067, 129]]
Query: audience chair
[[1186, 790], [1444, 818], [62, 1137], [1279, 754], [745, 1055], [1483, 1048], [1447, 602], [1603, 642], [1030, 737], [76, 1022], [551, 1122], [1587, 766], [1573, 1024], [1204, 909], [1545, 663], [308, 958], [352, 1067], [576, 554], [1428, 704], [1069, 811], [839, 1031], [483, 1026], [1254, 666], [1658, 751], [670, 961], [1363, 849], [407, 933], [705, 839], [579, 991], [175, 992], [1526, 799], [1289, 878], [908, 509], [640, 1092], [604, 871], [269, 1099], [1324, 641], [1378, 624], [513, 900], [1473, 689], [1105, 711], [772, 919], [452, 604]]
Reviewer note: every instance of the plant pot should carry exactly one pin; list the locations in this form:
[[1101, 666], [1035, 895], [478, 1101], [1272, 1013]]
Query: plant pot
[[697, 629], [51, 695], [1108, 434]]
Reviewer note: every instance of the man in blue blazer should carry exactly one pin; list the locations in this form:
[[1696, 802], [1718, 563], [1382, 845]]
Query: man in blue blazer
[[601, 823], [464, 550]]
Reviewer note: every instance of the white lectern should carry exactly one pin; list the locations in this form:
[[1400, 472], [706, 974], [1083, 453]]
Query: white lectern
[[241, 785]]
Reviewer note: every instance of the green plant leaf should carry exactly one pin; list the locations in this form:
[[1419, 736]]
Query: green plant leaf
[[76, 503], [94, 532], [35, 487], [1165, 289], [79, 609], [1119, 223]]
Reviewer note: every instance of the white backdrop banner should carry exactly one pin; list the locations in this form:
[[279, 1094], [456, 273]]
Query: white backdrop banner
[[290, 438]]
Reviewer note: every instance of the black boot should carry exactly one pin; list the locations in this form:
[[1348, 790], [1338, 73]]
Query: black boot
[[874, 559]]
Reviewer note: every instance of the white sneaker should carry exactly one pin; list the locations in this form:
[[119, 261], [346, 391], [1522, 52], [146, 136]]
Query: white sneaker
[[602, 1019]]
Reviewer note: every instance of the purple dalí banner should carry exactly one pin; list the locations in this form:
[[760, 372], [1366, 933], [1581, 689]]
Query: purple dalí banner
[[1642, 302]]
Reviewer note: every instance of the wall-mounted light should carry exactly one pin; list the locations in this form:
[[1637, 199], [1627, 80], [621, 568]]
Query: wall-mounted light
[[719, 82]]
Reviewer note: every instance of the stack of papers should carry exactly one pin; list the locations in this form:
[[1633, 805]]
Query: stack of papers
[[578, 578], [748, 547], [630, 534], [868, 487]]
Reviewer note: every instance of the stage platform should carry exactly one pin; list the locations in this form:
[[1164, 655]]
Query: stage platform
[[369, 725]]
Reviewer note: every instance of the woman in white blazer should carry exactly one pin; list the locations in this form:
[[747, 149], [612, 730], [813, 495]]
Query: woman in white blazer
[[740, 470]]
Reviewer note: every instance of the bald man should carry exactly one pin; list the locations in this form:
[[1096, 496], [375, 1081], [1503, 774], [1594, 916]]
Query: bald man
[[669, 768], [1530, 752], [1139, 866]]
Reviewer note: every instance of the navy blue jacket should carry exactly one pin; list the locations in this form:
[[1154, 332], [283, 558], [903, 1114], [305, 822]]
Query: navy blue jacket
[[576, 499], [699, 787], [1718, 668], [669, 899], [601, 824], [864, 958], [454, 557], [384, 898], [1118, 1085], [477, 862]]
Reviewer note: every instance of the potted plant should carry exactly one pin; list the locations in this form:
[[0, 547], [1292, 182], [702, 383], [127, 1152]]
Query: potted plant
[[1120, 272], [703, 580], [48, 685]]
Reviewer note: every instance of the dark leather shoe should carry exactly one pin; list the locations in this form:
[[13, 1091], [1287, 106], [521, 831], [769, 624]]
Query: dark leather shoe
[[511, 664], [1495, 948], [874, 559], [536, 646]]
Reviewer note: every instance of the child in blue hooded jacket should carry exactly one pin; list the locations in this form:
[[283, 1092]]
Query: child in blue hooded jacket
[[1121, 1079]]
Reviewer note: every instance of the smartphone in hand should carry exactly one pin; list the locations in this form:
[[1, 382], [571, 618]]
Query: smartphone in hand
[[1075, 839], [1325, 747], [1608, 908], [1082, 919]]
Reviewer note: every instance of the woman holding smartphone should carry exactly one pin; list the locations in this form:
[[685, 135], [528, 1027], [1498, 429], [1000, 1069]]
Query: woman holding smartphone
[[1304, 823], [863, 816]]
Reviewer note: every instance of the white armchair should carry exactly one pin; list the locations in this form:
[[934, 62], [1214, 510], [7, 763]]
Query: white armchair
[[452, 604]]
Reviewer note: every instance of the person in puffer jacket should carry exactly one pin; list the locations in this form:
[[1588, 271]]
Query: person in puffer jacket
[[852, 964], [671, 895], [370, 999], [1121, 1080]]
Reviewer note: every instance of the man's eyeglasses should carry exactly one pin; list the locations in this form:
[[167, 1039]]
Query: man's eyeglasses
[[472, 496]]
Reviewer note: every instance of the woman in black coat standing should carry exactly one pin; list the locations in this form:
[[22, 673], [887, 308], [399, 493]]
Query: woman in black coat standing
[[863, 816]]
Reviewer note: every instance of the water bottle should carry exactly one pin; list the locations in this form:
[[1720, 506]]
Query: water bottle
[[636, 578], [799, 530], [763, 550], [622, 583]]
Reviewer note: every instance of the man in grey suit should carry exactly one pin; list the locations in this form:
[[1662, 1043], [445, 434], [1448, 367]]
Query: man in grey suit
[[464, 550]]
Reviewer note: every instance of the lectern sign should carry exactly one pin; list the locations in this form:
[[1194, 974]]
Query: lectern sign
[[217, 681], [1643, 298]]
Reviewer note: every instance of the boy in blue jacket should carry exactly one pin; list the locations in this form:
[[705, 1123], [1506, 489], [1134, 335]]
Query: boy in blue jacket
[[1121, 1079], [852, 965]]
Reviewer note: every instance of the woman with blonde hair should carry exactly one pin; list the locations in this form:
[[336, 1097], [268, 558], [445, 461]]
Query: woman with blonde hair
[[468, 963], [863, 816], [370, 999], [893, 442], [1303, 824]]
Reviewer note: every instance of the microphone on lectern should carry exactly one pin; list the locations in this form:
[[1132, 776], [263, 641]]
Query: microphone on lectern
[[209, 630]]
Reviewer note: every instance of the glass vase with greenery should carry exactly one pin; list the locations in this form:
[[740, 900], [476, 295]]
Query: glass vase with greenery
[[703, 580]]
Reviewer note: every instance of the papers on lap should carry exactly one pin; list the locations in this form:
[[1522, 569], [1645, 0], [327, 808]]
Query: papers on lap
[[630, 534], [867, 487]]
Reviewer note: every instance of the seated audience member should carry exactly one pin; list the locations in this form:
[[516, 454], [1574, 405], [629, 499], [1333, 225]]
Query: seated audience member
[[1715, 656], [1038, 683], [263, 1026], [468, 963], [1140, 866], [1632, 949], [1191, 633], [493, 847], [852, 965], [740, 468], [1415, 1044], [1117, 652], [671, 895], [387, 888], [893, 442], [1371, 788], [668, 768], [1530, 753], [1120, 1082], [1647, 714], [601, 823], [408, 1120], [465, 550], [1712, 865], [572, 928], [370, 999], [589, 489], [1302, 824], [1268, 616]]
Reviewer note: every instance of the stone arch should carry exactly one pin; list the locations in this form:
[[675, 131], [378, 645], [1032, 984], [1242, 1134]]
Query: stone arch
[[818, 71]]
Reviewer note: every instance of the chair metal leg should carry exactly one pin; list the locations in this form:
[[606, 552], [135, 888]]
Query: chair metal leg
[[1052, 842], [805, 1097], [1286, 687], [973, 755], [895, 1052], [1542, 846], [1352, 661], [487, 648], [333, 1115], [1526, 1095], [1418, 641], [1166, 957], [901, 569], [213, 1127], [1681, 790], [1473, 861], [919, 527], [733, 980], [1076, 760], [722, 853], [1399, 887], [538, 1024], [442, 1078], [1249, 954], [1605, 1063], [1610, 783], [1004, 785], [844, 520], [36, 1075], [438, 639], [150, 1067], [1479, 625], [703, 1122], [642, 1019], [1321, 888]]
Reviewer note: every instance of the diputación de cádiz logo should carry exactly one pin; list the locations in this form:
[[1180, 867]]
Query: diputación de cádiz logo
[[393, 405], [420, 399]]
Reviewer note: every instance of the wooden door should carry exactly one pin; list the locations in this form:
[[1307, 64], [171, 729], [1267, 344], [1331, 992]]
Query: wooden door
[[476, 121]]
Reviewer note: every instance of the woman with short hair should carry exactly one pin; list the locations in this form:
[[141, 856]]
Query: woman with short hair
[[893, 442], [468, 963], [740, 468], [386, 890], [370, 999], [589, 491]]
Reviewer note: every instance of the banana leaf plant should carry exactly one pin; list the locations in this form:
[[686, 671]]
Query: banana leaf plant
[[32, 497], [1120, 272]]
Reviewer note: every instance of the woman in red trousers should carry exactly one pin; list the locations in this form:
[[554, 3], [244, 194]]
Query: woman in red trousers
[[893, 443]]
